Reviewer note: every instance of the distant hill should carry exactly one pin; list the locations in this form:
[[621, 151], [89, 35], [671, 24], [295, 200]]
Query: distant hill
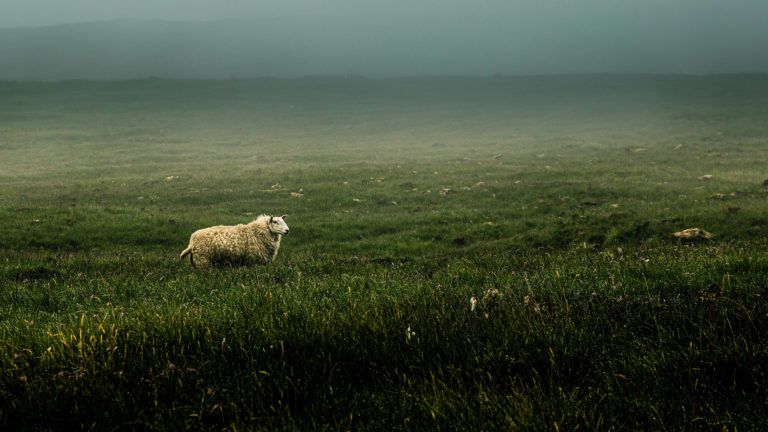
[[372, 46]]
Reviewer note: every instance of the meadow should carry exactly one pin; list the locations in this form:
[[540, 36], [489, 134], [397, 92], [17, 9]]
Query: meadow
[[489, 253]]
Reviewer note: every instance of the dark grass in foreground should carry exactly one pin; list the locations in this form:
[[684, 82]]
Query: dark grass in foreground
[[675, 342], [543, 291]]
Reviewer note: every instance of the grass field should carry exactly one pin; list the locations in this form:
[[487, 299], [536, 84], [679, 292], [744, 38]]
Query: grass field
[[465, 253]]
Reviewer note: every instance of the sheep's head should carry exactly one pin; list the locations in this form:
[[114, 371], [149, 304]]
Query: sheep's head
[[277, 225]]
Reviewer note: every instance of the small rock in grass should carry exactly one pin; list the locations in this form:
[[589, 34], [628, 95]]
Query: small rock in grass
[[693, 233], [706, 177]]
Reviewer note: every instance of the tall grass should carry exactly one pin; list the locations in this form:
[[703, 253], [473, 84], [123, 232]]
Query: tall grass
[[475, 254]]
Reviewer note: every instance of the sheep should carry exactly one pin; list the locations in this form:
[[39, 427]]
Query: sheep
[[243, 244]]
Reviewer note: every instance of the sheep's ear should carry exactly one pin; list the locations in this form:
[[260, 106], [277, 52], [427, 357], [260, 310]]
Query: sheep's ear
[[283, 216], [271, 218]]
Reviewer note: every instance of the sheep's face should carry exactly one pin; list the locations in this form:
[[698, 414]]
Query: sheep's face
[[277, 225]]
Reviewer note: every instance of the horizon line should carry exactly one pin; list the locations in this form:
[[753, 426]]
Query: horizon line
[[361, 77]]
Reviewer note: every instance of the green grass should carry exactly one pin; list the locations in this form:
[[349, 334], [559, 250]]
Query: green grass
[[565, 192]]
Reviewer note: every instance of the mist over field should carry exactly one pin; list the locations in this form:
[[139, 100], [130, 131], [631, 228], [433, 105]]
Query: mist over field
[[234, 39]]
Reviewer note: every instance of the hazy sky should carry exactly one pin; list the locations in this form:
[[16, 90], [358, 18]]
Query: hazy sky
[[389, 37], [685, 13], [45, 12]]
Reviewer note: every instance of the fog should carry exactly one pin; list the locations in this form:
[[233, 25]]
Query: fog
[[206, 39]]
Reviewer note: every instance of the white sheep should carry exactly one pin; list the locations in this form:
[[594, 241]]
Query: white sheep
[[243, 244]]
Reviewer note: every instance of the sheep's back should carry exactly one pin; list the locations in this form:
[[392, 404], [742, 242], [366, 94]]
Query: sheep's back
[[224, 239]]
